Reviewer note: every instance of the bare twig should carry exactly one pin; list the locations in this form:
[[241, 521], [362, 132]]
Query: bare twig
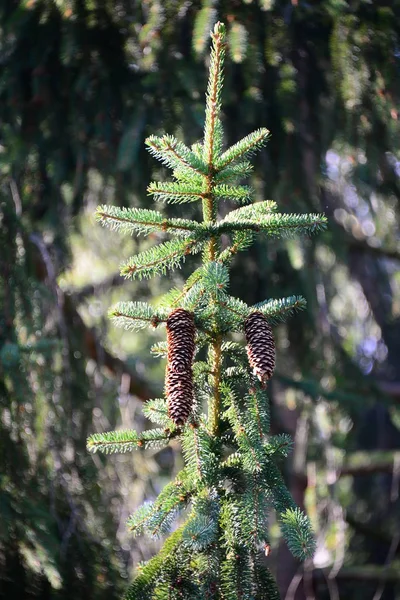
[[294, 584], [16, 197], [382, 466], [93, 289], [59, 296], [378, 251], [364, 574], [69, 314], [396, 537]]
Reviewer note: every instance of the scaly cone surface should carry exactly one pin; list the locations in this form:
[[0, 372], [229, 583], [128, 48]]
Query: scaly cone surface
[[260, 346], [179, 375]]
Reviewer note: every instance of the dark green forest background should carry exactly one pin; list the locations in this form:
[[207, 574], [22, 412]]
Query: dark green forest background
[[82, 83]]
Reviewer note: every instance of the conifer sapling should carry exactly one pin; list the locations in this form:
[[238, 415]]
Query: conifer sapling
[[217, 406]]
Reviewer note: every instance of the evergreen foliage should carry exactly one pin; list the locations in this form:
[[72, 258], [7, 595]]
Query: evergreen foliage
[[230, 476], [82, 84]]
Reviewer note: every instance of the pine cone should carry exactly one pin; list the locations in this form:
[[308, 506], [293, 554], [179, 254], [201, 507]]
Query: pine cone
[[180, 339], [179, 390], [179, 377], [260, 346]]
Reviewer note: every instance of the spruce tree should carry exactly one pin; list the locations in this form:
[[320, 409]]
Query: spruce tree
[[216, 401]]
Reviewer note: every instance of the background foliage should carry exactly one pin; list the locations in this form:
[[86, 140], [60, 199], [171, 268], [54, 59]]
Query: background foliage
[[82, 83]]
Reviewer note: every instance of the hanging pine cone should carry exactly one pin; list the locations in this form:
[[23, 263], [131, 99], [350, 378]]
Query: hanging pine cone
[[180, 339], [179, 377], [260, 346], [179, 390]]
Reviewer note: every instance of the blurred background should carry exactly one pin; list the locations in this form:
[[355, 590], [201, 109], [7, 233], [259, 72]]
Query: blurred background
[[82, 83]]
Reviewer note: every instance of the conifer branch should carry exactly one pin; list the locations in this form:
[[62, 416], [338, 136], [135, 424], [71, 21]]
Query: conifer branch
[[246, 432], [279, 445], [175, 297], [157, 517], [157, 260], [237, 193], [242, 240], [265, 583], [275, 224], [196, 447], [254, 511], [159, 350], [257, 405], [215, 277], [186, 291], [175, 154], [123, 441], [213, 97], [236, 575], [145, 581], [296, 530], [252, 211], [248, 145], [281, 309], [175, 193], [215, 407], [134, 316], [234, 172], [141, 220], [202, 526], [156, 411], [238, 308], [185, 176]]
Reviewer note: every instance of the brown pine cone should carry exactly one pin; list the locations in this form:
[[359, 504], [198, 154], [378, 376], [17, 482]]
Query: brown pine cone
[[179, 377], [260, 346], [180, 394], [180, 339]]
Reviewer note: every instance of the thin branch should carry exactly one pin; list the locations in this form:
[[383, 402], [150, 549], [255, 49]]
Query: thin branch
[[378, 251], [394, 544], [93, 348], [382, 466], [50, 271], [363, 573], [96, 351], [94, 289], [164, 225], [392, 388], [367, 530]]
